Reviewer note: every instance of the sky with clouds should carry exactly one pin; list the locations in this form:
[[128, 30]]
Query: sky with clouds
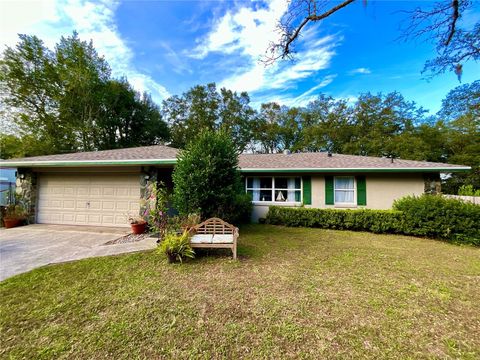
[[166, 47]]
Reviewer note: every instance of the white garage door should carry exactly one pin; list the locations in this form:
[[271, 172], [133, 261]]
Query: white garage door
[[74, 199]]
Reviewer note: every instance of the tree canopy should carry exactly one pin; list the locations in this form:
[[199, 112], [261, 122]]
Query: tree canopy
[[66, 100]]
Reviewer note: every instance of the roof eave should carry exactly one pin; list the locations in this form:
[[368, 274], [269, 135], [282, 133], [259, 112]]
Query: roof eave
[[351, 170], [81, 163]]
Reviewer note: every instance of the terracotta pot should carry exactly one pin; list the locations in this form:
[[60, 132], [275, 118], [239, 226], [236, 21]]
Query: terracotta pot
[[138, 228], [11, 223]]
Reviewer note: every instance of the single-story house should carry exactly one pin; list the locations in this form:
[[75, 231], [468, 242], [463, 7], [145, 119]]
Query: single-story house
[[102, 187]]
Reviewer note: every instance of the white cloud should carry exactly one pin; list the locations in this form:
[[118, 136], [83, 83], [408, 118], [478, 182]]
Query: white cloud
[[248, 32], [360, 70], [93, 20], [300, 100]]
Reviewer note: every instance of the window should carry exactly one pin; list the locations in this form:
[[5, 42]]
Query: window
[[274, 189], [344, 189]]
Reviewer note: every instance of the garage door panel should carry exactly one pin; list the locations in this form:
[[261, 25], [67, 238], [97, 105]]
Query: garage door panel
[[87, 199]]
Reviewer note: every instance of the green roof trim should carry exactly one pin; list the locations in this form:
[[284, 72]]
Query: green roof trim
[[80, 163]]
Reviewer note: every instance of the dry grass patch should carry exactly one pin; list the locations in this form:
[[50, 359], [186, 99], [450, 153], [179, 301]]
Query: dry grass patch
[[295, 293]]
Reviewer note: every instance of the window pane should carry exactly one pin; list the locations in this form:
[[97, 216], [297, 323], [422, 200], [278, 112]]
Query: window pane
[[281, 183], [344, 183], [265, 195], [281, 195], [298, 183], [249, 182], [342, 196], [266, 183], [298, 196]]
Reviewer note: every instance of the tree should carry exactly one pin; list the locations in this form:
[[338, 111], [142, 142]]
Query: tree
[[204, 108], [463, 145], [463, 100], [131, 119], [206, 178], [378, 119], [29, 83], [439, 24], [83, 75], [268, 127], [325, 125], [66, 100]]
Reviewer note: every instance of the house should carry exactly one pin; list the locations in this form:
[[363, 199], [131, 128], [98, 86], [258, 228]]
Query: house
[[101, 188]]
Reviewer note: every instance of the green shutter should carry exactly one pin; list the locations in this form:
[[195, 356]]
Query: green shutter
[[329, 197], [361, 190], [307, 190]]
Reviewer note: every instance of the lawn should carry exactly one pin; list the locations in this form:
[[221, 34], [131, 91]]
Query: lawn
[[295, 293]]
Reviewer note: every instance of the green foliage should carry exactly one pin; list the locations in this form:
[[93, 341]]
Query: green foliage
[[15, 211], [176, 247], [377, 221], [206, 179], [439, 217], [181, 223], [156, 208], [428, 215], [66, 100], [204, 108], [468, 190]]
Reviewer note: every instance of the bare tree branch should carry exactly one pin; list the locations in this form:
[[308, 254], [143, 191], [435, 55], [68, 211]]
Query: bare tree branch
[[455, 17], [289, 35]]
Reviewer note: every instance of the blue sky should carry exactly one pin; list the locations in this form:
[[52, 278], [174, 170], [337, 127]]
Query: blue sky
[[165, 47]]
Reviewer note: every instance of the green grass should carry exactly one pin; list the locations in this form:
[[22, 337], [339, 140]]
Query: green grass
[[295, 293]]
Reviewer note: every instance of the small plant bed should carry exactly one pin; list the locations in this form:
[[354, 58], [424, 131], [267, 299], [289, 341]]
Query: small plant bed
[[298, 293], [130, 238]]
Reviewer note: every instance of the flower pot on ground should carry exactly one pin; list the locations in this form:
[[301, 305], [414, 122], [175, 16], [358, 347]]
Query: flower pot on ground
[[139, 228], [137, 224], [11, 223], [15, 215]]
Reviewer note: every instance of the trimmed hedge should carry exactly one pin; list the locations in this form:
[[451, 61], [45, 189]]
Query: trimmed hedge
[[427, 215], [440, 217], [377, 221]]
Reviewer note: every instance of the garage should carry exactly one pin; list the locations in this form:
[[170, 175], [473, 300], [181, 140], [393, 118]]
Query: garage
[[87, 199]]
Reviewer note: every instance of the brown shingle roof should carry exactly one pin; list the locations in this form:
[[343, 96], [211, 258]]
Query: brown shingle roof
[[155, 152], [160, 154], [321, 160]]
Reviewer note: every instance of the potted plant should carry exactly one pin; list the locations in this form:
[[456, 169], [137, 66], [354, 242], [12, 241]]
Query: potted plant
[[176, 247], [15, 215], [138, 224]]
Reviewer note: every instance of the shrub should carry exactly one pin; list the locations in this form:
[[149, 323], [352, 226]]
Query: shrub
[[468, 190], [177, 247], [206, 178], [440, 217], [377, 221], [426, 215]]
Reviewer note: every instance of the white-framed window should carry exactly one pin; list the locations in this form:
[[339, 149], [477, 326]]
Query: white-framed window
[[281, 189], [344, 189]]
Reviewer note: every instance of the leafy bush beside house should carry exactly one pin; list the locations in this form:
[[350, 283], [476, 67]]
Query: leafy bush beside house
[[377, 221], [439, 217], [426, 215], [206, 179]]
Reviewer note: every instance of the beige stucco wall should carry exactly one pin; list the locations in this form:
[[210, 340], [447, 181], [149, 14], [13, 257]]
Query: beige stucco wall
[[382, 190]]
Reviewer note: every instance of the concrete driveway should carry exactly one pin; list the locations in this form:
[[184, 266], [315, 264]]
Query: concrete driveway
[[28, 247]]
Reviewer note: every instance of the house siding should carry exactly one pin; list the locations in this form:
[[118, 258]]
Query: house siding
[[381, 191]]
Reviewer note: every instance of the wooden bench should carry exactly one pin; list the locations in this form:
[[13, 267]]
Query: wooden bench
[[215, 233]]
